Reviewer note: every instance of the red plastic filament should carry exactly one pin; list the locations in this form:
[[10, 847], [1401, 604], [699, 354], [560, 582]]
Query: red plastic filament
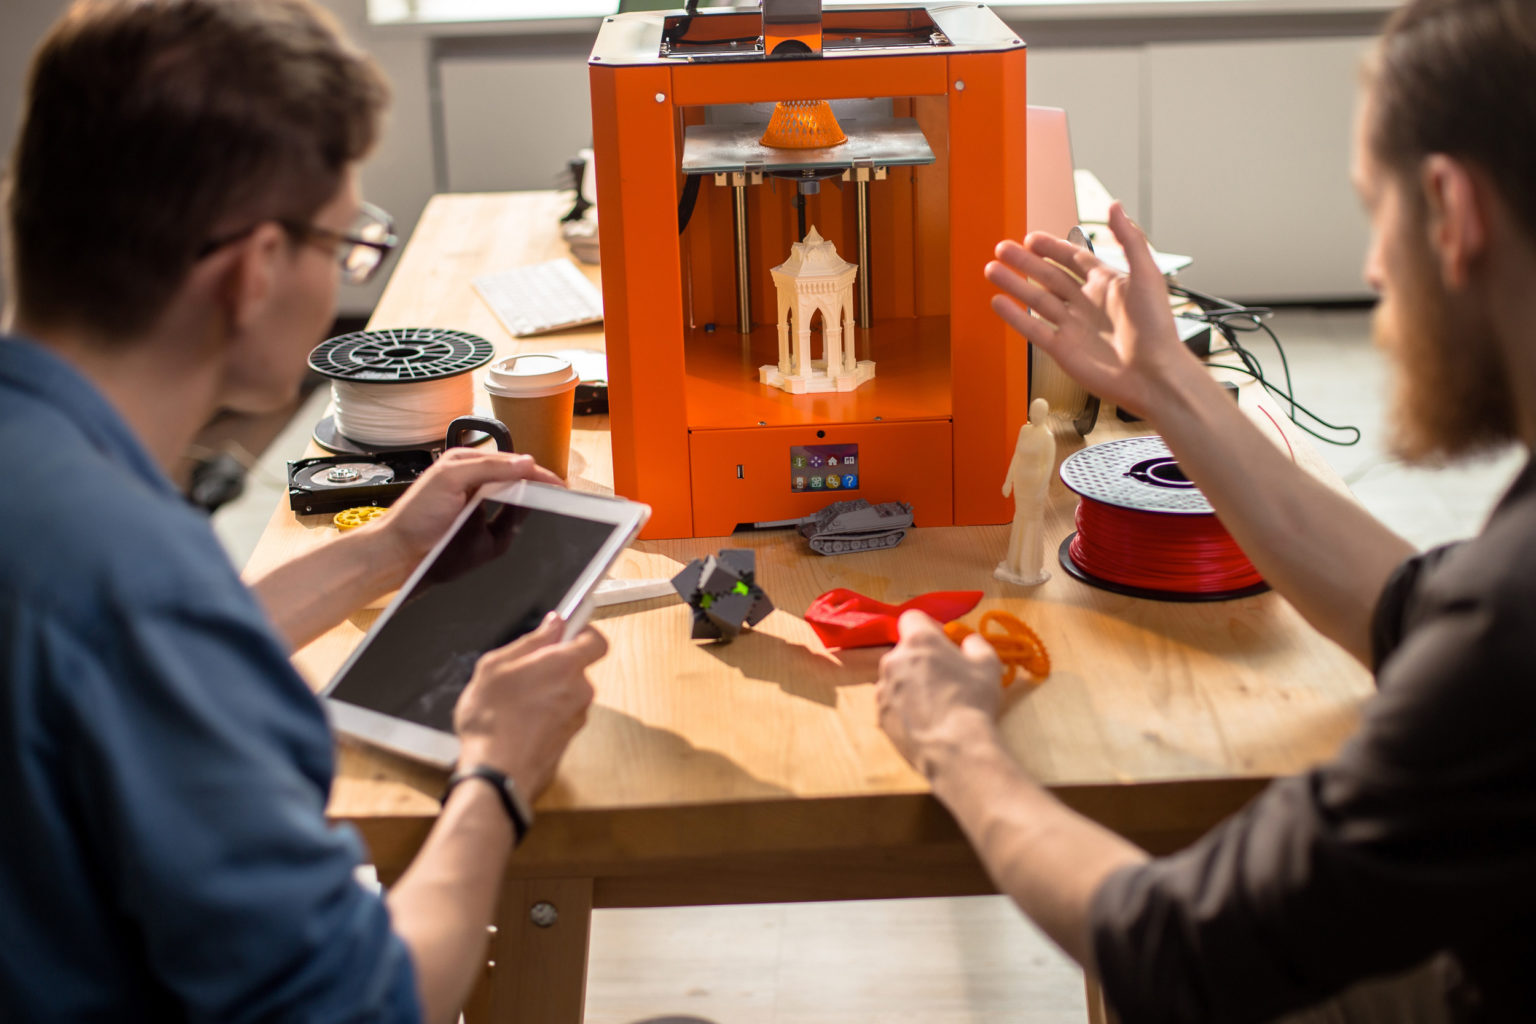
[[1181, 554]]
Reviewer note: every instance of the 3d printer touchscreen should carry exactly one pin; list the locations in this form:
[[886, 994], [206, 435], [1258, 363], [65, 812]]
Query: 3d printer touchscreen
[[504, 568]]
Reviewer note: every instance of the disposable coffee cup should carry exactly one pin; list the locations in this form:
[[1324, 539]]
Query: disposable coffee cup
[[534, 395]]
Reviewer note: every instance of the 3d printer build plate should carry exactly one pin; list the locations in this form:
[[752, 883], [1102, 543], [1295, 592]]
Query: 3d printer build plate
[[912, 382], [721, 148]]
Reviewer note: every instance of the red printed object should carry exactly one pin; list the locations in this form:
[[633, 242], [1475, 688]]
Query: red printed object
[[845, 618]]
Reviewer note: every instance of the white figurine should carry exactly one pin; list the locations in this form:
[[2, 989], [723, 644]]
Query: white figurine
[[1029, 477], [815, 278]]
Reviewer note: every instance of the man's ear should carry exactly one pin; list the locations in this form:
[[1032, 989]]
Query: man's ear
[[1457, 219], [248, 276]]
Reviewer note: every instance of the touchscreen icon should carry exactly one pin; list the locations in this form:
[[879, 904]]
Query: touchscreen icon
[[816, 483], [833, 481], [850, 482]]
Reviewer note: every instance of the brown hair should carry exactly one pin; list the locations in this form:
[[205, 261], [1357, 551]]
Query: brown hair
[[153, 125], [1459, 77]]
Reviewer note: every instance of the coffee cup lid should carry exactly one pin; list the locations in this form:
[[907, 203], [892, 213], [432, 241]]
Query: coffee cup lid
[[533, 375]]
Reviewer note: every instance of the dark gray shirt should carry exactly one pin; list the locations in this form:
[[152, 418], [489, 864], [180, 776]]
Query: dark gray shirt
[[1418, 838]]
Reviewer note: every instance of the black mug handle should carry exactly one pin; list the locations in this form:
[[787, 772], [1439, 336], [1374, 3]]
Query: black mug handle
[[466, 424]]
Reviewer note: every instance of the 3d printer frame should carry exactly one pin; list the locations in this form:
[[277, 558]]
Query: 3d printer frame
[[690, 311]]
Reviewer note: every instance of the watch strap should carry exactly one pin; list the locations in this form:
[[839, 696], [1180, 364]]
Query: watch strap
[[518, 811]]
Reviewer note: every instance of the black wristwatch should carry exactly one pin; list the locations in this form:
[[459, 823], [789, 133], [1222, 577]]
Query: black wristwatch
[[517, 808]]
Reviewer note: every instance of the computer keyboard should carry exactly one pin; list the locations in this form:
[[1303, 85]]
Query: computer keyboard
[[541, 297]]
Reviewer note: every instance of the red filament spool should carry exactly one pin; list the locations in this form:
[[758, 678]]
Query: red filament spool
[[1145, 530]]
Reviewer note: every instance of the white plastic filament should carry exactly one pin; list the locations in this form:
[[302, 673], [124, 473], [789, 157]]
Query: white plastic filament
[[400, 415]]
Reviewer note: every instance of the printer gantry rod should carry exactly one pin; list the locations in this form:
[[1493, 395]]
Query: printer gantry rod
[[864, 317], [743, 278]]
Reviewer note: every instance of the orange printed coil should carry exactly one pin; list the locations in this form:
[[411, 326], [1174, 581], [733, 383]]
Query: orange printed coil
[[1016, 644]]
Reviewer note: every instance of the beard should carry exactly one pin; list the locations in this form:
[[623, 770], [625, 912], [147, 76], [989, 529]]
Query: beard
[[1452, 398]]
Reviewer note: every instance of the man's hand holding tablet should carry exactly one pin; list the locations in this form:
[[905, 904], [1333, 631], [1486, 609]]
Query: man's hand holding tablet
[[424, 512], [526, 701], [475, 613], [480, 662]]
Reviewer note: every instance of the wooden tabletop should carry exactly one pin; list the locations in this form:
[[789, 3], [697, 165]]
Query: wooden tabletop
[[1158, 718]]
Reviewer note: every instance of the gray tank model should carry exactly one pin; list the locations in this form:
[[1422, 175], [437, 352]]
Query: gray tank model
[[844, 527]]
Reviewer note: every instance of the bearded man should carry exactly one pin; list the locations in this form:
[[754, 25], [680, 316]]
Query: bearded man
[[1397, 882]]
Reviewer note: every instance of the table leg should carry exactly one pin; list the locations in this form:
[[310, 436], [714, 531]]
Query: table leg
[[537, 969], [1098, 1009]]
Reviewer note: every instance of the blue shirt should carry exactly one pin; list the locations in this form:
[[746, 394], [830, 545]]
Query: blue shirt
[[163, 770]]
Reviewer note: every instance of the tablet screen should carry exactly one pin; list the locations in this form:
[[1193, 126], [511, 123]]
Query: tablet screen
[[504, 569]]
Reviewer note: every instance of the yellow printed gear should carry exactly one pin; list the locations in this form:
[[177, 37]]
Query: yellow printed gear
[[352, 518]]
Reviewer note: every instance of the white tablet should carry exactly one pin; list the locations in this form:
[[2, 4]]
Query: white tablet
[[516, 553]]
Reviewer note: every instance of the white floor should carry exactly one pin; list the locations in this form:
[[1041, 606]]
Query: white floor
[[942, 961]]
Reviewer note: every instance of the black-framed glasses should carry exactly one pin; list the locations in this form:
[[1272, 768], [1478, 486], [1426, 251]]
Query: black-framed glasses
[[360, 250]]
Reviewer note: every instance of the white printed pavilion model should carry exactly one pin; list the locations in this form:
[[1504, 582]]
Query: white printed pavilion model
[[815, 278]]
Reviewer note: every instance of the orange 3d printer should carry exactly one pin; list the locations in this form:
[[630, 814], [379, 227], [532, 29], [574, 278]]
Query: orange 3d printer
[[796, 208]]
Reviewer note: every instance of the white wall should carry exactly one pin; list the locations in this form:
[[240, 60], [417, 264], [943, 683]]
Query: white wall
[[1233, 151], [22, 24], [398, 177], [1248, 165], [1098, 88], [514, 123]]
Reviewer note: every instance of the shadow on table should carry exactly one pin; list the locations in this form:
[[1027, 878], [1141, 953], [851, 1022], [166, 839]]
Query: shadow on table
[[791, 666], [669, 759]]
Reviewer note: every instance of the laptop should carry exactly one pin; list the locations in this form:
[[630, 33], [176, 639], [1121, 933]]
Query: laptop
[[1050, 194]]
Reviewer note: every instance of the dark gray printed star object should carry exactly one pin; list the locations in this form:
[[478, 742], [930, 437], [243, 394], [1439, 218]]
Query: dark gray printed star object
[[723, 593]]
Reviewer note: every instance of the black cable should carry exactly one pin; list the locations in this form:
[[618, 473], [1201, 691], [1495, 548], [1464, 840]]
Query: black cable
[[685, 203], [1211, 304], [1229, 324], [1285, 366], [1308, 413], [676, 35], [1232, 319], [578, 169]]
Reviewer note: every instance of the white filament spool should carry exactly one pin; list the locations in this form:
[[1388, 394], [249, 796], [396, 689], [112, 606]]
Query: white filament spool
[[401, 415], [397, 388], [1068, 399]]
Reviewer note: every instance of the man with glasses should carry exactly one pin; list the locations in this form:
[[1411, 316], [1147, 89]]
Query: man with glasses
[[182, 204], [360, 250]]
